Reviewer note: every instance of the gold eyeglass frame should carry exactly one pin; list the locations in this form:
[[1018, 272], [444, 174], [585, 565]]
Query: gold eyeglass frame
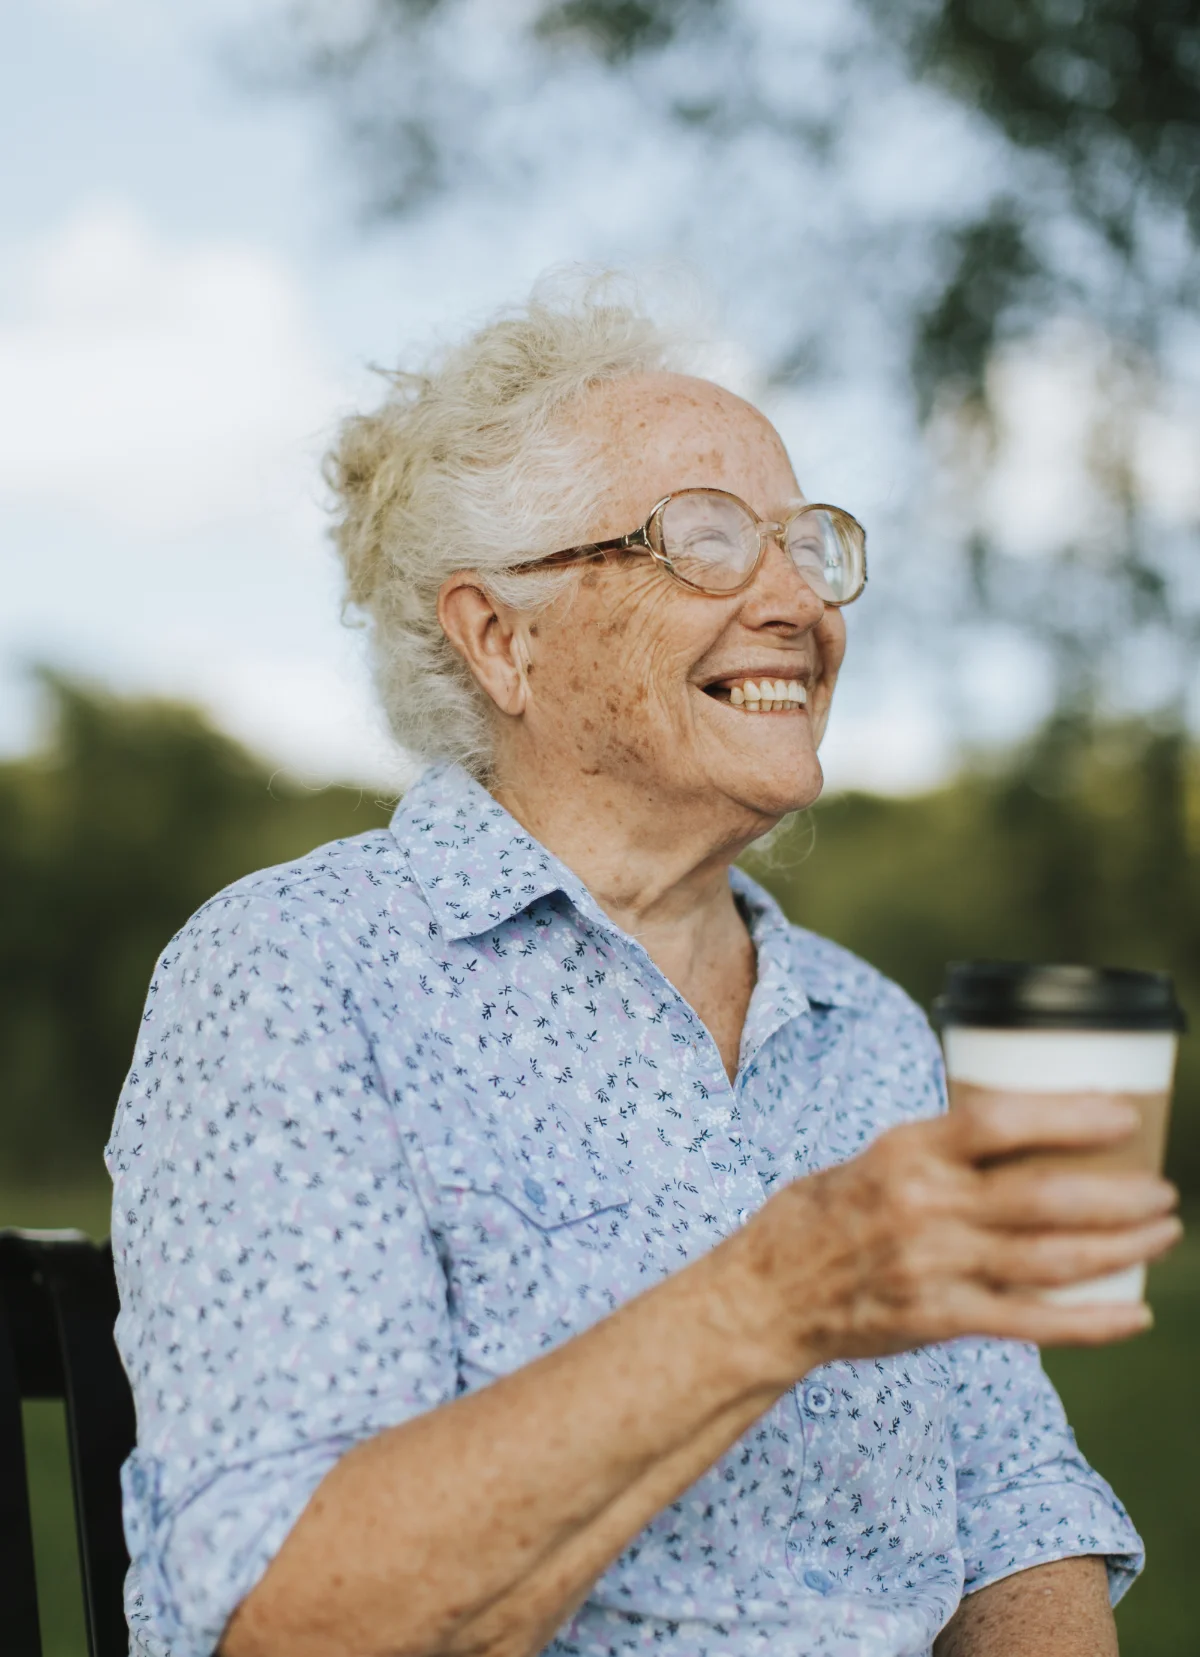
[[647, 538]]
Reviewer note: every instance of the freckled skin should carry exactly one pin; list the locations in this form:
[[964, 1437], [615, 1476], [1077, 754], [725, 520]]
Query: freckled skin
[[608, 751], [660, 642], [606, 746]]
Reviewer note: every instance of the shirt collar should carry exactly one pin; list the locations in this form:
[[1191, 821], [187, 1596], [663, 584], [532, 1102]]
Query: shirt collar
[[479, 868], [474, 862], [791, 958]]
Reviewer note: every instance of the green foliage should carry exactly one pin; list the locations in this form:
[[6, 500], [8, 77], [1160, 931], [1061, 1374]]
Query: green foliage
[[1110, 87], [1132, 1407], [131, 817], [1083, 847], [1105, 94], [989, 270], [619, 29]]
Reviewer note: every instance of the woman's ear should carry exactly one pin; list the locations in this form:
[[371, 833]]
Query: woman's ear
[[489, 637]]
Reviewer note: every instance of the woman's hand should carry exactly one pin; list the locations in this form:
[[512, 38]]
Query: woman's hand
[[942, 1229]]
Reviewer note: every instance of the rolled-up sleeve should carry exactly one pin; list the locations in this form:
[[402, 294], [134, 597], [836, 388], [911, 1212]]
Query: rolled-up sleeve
[[1025, 1494], [281, 1294]]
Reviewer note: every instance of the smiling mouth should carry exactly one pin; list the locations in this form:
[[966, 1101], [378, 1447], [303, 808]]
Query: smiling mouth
[[760, 695]]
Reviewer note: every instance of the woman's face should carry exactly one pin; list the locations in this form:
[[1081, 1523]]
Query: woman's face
[[629, 674]]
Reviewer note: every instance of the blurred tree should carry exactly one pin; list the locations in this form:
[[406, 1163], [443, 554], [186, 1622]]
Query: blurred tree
[[1110, 88], [136, 812], [1093, 212], [130, 817], [1065, 851], [1104, 95]]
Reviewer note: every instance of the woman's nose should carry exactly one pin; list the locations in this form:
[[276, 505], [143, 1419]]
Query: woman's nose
[[782, 584]]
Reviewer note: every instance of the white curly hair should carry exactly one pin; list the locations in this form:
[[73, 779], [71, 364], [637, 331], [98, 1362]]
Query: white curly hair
[[470, 464]]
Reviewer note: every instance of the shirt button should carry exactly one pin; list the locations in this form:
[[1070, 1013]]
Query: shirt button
[[818, 1401], [821, 1582], [535, 1193], [743, 1215]]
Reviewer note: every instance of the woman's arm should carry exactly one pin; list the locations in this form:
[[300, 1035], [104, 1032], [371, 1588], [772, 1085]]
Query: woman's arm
[[479, 1526], [1061, 1608]]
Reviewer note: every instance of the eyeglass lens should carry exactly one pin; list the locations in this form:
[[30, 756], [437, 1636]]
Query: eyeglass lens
[[712, 541]]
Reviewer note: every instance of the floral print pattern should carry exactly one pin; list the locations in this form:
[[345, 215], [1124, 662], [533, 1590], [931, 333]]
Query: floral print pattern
[[406, 1113]]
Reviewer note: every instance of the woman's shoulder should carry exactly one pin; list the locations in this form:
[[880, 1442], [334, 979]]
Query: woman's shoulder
[[338, 898], [354, 862]]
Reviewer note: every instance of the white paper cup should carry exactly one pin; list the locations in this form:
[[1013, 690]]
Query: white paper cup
[[1047, 1031]]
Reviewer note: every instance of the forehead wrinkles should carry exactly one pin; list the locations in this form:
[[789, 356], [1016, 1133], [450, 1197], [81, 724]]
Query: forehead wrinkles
[[663, 432]]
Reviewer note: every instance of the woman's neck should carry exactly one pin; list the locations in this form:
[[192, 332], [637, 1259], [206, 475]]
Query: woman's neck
[[663, 878]]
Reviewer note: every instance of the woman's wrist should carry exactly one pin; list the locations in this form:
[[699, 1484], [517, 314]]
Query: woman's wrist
[[760, 1330]]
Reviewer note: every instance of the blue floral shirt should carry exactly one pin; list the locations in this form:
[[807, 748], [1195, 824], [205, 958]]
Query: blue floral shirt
[[408, 1112]]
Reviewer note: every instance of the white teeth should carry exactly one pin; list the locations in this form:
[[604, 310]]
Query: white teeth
[[767, 695]]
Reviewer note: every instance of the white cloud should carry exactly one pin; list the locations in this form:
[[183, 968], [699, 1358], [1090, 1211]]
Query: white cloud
[[162, 386], [162, 409]]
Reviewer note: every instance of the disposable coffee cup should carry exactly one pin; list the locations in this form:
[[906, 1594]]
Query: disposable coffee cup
[[1015, 1027]]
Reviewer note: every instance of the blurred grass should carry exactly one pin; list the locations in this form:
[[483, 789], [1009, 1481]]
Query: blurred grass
[[1133, 1408], [60, 1597]]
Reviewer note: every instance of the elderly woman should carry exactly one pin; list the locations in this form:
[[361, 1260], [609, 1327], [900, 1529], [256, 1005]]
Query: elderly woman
[[530, 1241]]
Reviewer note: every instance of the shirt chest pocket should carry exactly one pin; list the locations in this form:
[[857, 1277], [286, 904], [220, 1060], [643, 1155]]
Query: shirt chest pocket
[[528, 1267], [877, 1471], [885, 1413]]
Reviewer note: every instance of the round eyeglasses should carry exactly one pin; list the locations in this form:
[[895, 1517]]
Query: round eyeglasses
[[712, 542]]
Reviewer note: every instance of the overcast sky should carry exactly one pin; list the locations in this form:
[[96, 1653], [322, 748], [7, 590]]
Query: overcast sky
[[189, 298]]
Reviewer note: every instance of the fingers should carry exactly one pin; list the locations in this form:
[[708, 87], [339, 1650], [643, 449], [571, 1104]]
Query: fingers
[[1018, 1196], [930, 1234], [1050, 1259], [1025, 1317], [1000, 1124]]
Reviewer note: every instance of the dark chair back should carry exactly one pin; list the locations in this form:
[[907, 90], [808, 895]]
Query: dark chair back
[[58, 1303]]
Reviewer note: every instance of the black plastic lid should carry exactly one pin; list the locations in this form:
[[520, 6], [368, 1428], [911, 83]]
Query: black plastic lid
[[1024, 995]]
